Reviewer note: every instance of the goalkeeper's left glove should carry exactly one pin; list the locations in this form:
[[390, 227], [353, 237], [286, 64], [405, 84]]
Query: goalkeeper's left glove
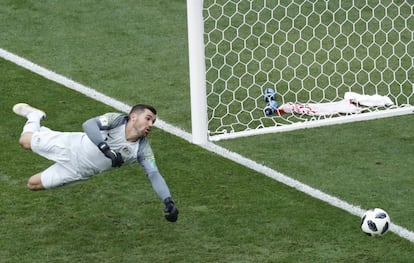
[[170, 210], [115, 157]]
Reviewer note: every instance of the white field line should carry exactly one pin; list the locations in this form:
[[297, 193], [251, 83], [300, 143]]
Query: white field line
[[235, 157]]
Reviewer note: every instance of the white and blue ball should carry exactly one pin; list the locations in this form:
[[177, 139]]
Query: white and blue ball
[[375, 222]]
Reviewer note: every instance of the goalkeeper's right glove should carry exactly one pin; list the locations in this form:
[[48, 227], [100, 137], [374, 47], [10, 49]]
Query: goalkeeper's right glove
[[115, 157], [171, 212]]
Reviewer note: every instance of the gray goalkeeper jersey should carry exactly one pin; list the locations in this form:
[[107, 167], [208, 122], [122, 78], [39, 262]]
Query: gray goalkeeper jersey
[[110, 128]]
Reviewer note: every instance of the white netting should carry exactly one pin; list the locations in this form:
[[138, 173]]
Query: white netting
[[308, 51]]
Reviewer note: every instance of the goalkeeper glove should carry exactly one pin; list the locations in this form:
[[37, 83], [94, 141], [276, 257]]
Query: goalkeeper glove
[[170, 210], [115, 157]]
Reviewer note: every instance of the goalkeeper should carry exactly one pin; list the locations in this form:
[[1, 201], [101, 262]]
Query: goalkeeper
[[108, 141]]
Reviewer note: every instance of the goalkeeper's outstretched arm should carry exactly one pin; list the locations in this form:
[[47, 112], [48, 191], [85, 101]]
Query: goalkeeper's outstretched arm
[[147, 161]]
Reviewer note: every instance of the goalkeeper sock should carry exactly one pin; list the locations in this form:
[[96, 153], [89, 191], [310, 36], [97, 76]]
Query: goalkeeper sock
[[33, 122]]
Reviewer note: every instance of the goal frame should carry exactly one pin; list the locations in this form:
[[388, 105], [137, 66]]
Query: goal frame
[[198, 94]]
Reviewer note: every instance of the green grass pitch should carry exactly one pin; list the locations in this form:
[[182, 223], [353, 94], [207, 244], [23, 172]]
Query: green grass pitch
[[132, 51]]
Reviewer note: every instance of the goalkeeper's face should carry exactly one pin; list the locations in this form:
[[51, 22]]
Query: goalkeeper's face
[[142, 122]]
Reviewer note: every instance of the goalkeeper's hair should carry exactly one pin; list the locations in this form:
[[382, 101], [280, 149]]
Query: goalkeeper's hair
[[141, 107]]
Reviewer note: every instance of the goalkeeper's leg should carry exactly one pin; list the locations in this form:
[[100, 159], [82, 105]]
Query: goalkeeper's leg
[[55, 176], [34, 116]]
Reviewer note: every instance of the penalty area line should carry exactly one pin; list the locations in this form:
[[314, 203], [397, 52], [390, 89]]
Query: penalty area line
[[235, 157]]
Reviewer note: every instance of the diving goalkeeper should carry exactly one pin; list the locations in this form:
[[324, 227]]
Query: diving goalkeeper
[[107, 141]]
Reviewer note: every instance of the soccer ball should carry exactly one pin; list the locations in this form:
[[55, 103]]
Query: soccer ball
[[375, 222]]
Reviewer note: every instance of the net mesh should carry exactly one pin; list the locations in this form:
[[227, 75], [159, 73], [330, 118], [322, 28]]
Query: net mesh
[[308, 51]]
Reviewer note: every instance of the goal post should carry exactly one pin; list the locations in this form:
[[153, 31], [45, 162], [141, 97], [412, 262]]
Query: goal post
[[311, 53], [195, 25]]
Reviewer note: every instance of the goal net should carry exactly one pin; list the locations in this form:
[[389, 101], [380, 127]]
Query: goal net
[[316, 55]]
